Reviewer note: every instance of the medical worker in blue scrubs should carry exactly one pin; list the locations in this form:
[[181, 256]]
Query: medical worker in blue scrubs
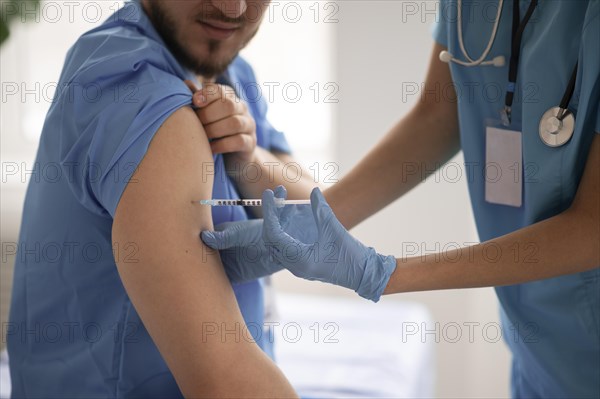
[[532, 161], [114, 294]]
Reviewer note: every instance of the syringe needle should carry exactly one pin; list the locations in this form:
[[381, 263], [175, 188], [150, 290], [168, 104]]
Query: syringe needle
[[250, 202]]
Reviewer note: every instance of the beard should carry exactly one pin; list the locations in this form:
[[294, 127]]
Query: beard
[[210, 67]]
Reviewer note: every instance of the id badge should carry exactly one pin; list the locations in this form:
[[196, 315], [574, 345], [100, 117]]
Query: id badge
[[503, 165]]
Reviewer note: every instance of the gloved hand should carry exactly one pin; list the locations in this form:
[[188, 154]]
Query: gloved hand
[[335, 257], [240, 244]]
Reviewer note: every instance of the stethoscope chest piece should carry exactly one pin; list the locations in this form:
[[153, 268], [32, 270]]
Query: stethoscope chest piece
[[557, 126]]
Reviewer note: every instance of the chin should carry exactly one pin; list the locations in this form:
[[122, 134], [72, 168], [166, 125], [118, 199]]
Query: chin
[[207, 57], [212, 62]]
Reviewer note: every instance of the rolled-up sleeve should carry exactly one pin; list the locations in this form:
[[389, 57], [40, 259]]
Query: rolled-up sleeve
[[115, 131]]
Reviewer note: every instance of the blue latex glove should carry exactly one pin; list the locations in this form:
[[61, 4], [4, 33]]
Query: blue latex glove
[[240, 244], [335, 257]]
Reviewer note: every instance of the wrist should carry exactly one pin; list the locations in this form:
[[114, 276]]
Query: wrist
[[415, 274], [335, 198], [378, 270]]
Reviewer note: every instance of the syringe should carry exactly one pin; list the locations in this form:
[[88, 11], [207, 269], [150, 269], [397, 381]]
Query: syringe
[[251, 202]]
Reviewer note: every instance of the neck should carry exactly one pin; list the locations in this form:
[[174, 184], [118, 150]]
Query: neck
[[204, 80]]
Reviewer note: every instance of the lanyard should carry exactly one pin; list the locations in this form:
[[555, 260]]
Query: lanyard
[[518, 27]]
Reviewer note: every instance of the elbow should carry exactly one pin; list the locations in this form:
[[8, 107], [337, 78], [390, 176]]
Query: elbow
[[440, 119], [251, 377]]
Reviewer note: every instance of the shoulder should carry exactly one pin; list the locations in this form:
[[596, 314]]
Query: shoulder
[[118, 68], [118, 50]]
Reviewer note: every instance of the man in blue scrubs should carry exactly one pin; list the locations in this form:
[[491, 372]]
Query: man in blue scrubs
[[540, 227], [114, 293]]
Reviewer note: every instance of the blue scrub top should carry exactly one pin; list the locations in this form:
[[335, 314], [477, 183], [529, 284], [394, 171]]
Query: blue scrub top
[[552, 326], [73, 331]]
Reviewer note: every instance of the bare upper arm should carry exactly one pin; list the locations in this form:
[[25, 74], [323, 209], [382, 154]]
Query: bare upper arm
[[585, 209], [438, 97], [587, 199], [177, 284]]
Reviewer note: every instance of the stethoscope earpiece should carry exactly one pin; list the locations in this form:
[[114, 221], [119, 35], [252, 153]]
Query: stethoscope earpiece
[[499, 61], [446, 57]]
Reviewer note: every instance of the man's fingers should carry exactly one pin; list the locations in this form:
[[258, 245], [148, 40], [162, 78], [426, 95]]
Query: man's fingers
[[229, 126], [212, 92], [226, 120], [235, 143], [221, 109]]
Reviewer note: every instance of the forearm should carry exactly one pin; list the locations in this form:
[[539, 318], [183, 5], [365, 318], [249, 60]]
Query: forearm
[[419, 144], [564, 244], [267, 170]]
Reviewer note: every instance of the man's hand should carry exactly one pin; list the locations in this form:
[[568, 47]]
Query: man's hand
[[226, 119]]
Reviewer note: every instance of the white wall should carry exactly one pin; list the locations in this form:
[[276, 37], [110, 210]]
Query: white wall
[[293, 56]]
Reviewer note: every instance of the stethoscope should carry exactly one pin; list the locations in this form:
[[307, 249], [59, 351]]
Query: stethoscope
[[558, 123]]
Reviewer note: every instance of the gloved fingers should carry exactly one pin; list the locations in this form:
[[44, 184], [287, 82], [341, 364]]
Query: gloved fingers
[[280, 192], [270, 215], [233, 234], [210, 240], [286, 214], [322, 212], [273, 233], [224, 226]]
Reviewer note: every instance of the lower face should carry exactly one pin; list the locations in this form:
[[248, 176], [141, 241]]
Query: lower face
[[200, 35]]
